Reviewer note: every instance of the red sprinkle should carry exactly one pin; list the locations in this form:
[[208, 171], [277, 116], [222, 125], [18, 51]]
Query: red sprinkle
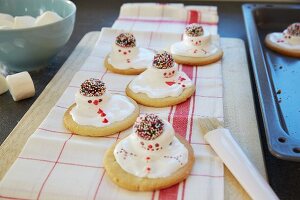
[[103, 114], [150, 146], [148, 158], [148, 168], [156, 145], [104, 120], [100, 111]]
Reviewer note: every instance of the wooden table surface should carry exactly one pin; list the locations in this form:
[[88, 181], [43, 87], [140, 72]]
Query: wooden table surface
[[284, 176]]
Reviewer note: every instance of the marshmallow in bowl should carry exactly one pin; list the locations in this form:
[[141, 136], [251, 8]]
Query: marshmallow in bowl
[[24, 22], [6, 21], [47, 17], [9, 22], [3, 85]]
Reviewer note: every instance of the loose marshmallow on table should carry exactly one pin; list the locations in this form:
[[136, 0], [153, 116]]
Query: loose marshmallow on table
[[24, 22], [47, 17], [6, 21], [3, 85], [20, 86]]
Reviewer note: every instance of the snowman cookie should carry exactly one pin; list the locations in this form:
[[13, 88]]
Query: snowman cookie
[[287, 42], [162, 84], [99, 113], [197, 47], [126, 57], [152, 157]]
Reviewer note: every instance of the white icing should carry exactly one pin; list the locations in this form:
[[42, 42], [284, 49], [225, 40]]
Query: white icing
[[201, 46], [162, 161], [286, 41], [116, 108], [155, 84], [130, 57]]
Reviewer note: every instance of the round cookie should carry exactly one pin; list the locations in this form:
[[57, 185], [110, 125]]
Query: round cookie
[[130, 71], [126, 57], [196, 48], [193, 61], [88, 130], [98, 113], [162, 84], [144, 99], [134, 183], [275, 47]]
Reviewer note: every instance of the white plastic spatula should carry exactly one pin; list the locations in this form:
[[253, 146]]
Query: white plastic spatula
[[221, 140]]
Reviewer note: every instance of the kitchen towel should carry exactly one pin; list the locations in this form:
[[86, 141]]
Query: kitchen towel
[[56, 164], [154, 17]]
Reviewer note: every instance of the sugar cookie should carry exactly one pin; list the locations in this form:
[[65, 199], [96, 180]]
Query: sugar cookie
[[153, 157], [197, 47], [99, 113], [126, 58], [287, 42], [162, 84]]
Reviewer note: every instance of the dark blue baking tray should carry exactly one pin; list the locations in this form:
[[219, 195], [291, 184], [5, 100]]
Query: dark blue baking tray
[[277, 77]]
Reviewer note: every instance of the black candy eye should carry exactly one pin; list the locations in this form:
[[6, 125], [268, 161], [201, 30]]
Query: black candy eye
[[119, 50]]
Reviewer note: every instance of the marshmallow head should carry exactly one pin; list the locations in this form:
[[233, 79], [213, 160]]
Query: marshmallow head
[[125, 46], [164, 64], [153, 133], [148, 127], [294, 29], [292, 34], [195, 35], [90, 96], [92, 88], [163, 60], [125, 40]]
